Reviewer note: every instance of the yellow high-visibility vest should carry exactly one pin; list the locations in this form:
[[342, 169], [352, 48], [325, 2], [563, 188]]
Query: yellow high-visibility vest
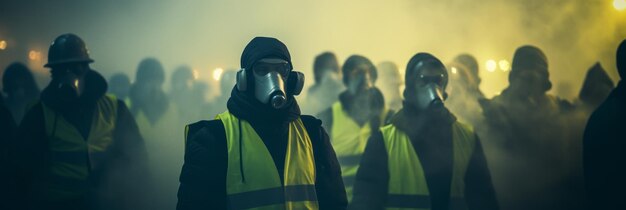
[[252, 180], [349, 141], [408, 188], [73, 157]]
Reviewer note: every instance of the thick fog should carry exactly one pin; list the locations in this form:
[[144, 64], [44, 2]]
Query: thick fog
[[209, 36]]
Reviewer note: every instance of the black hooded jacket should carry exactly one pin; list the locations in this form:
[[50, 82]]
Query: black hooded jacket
[[431, 135], [603, 152], [203, 176], [126, 156]]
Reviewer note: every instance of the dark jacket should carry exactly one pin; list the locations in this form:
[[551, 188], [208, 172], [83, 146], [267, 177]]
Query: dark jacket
[[7, 131], [604, 153], [121, 178], [431, 135], [203, 177]]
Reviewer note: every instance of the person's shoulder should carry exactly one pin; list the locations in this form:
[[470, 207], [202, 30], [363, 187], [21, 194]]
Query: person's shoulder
[[310, 121], [204, 132]]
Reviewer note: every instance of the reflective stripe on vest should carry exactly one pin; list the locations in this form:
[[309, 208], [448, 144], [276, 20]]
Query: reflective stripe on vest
[[71, 156], [252, 180], [411, 192], [349, 141]]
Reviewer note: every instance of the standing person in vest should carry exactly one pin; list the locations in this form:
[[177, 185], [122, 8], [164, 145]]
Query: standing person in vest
[[425, 159], [78, 148], [261, 153], [359, 111]]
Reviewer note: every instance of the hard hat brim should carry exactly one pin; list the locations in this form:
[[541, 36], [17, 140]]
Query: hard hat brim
[[76, 60]]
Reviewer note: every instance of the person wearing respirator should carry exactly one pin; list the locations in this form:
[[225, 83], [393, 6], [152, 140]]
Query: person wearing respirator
[[261, 153], [424, 159], [359, 111], [76, 139]]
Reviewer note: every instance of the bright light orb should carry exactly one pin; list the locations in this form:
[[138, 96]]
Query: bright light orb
[[217, 74], [491, 65]]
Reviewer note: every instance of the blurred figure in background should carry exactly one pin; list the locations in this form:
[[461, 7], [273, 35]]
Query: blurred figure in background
[[327, 76], [359, 112], [227, 82], [261, 153], [390, 82], [604, 146], [78, 148], [529, 128], [119, 86], [187, 96], [21, 90], [425, 159], [159, 125], [464, 90]]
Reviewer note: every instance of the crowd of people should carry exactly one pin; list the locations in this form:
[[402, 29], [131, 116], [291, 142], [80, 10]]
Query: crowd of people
[[362, 137]]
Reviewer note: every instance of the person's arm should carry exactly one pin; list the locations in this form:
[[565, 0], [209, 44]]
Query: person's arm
[[331, 193], [372, 179], [479, 191], [203, 176]]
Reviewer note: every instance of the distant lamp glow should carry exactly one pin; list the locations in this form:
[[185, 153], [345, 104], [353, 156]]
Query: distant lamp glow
[[34, 55], [453, 70], [504, 65], [196, 74], [217, 74], [3, 45], [619, 5], [491, 65], [75, 83]]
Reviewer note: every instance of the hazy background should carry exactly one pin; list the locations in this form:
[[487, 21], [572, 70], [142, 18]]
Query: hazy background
[[211, 34]]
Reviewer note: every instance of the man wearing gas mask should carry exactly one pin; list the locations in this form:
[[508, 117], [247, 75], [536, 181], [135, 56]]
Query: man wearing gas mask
[[424, 159], [261, 153], [78, 148], [359, 111]]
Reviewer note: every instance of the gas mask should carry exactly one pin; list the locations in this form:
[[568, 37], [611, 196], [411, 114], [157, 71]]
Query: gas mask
[[69, 77], [429, 96], [270, 89], [428, 88]]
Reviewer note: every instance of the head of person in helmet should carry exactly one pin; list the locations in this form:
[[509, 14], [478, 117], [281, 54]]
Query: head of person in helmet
[[266, 73], [119, 85], [68, 59], [426, 80], [529, 76]]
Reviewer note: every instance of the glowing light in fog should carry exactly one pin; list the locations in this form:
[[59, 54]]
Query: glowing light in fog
[[75, 83], [504, 65], [3, 45], [196, 74], [491, 65], [34, 55], [217, 74], [453, 70], [619, 4]]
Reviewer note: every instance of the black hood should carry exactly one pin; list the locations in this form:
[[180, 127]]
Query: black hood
[[264, 47], [63, 100], [597, 86]]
